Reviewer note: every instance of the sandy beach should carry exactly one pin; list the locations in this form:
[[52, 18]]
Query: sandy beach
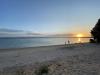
[[73, 59]]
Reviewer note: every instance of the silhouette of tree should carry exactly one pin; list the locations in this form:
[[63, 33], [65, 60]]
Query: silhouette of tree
[[96, 32]]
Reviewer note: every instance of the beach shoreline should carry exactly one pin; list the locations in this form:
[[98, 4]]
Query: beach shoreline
[[15, 59], [21, 48]]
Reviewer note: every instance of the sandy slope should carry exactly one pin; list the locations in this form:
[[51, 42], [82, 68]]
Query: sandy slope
[[66, 56]]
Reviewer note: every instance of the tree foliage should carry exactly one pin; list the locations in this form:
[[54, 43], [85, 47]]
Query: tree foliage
[[95, 32]]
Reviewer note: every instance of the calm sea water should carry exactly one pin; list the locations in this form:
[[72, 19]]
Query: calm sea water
[[33, 42]]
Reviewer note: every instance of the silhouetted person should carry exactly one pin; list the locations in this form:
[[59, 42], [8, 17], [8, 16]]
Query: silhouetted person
[[96, 32], [68, 42], [65, 42]]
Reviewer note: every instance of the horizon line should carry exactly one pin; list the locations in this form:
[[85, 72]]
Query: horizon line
[[42, 37]]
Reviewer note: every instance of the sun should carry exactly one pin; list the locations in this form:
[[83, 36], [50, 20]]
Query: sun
[[79, 35]]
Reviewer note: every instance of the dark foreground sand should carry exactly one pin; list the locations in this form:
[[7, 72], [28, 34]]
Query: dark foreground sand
[[75, 59]]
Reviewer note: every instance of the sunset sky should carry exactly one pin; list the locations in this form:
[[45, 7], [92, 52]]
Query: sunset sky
[[49, 16]]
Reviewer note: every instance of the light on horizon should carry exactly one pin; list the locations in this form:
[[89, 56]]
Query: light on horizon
[[79, 35]]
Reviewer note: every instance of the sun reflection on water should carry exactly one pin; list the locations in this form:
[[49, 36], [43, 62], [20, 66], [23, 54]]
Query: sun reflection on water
[[79, 37], [79, 40]]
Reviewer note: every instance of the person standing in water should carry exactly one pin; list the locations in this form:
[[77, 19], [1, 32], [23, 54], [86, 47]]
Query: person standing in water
[[65, 43], [68, 42]]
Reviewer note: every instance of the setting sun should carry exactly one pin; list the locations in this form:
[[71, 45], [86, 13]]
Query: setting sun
[[79, 35]]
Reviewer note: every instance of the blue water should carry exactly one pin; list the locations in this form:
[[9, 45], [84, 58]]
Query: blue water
[[33, 42]]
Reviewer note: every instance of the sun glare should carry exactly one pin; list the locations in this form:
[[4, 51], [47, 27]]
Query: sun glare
[[79, 35]]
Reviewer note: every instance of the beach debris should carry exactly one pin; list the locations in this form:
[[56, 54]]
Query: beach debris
[[43, 70]]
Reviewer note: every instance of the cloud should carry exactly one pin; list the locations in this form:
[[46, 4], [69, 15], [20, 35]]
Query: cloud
[[9, 30], [16, 33], [21, 33], [62, 35]]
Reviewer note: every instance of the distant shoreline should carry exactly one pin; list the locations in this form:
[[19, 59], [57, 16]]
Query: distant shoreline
[[41, 37]]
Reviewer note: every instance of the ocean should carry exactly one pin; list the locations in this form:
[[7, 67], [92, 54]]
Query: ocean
[[6, 43]]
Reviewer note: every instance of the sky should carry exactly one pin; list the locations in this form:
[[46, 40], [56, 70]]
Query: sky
[[49, 16]]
